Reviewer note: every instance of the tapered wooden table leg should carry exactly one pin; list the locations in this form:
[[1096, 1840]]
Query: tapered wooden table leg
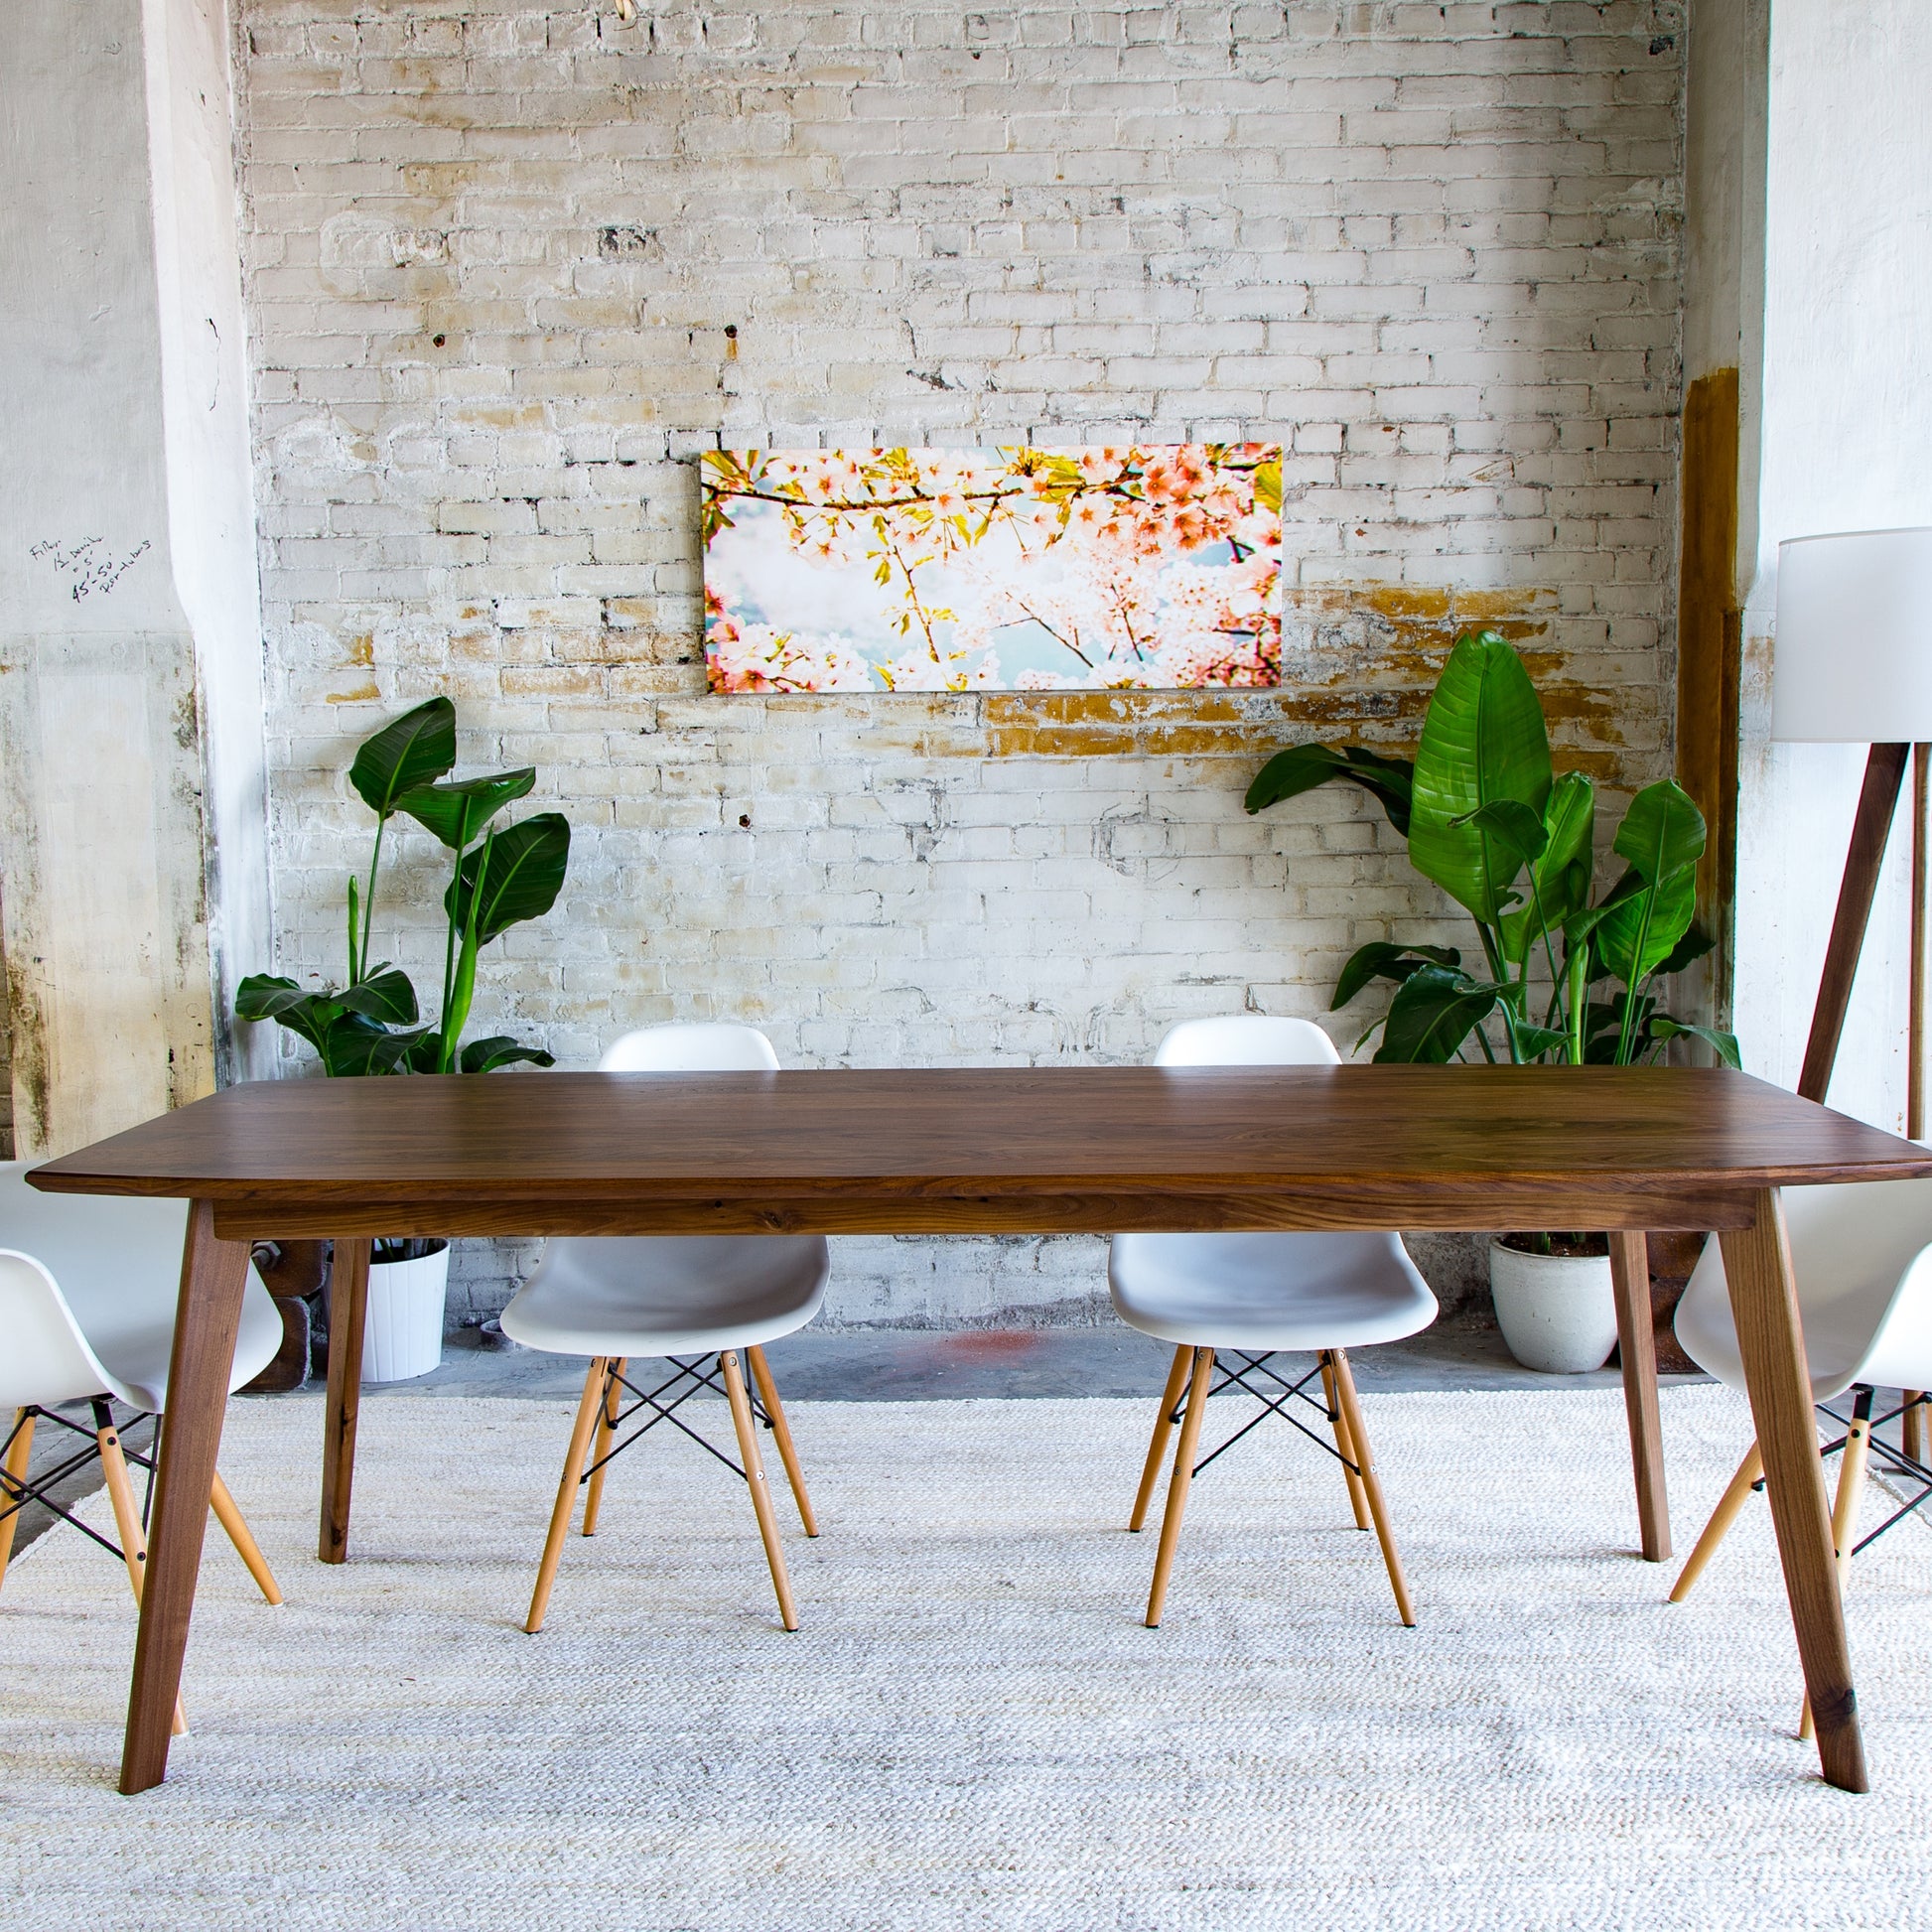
[[1770, 1339], [348, 1305], [213, 1273], [1637, 1350]]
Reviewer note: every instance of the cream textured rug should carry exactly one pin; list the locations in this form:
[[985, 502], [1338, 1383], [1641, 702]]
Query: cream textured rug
[[972, 1729]]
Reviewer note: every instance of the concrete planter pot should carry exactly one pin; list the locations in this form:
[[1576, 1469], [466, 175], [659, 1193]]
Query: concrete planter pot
[[403, 1337], [1558, 1313]]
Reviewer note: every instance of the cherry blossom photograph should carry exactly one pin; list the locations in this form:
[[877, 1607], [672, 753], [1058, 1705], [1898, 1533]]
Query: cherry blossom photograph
[[1152, 567]]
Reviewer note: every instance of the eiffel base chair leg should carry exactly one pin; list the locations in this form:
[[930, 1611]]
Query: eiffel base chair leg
[[1734, 1499], [588, 1410], [782, 1434], [1344, 1445], [1845, 1511], [127, 1519], [1157, 1450], [606, 1427], [1351, 1412], [748, 1447], [1179, 1483], [228, 1514], [20, 1448]]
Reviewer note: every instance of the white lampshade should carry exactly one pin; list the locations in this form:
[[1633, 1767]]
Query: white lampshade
[[1853, 657]]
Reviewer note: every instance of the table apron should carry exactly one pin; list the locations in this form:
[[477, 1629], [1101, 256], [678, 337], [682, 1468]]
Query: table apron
[[1439, 1205]]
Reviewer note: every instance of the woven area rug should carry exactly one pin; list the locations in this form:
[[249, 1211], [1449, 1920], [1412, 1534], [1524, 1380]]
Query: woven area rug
[[972, 1728]]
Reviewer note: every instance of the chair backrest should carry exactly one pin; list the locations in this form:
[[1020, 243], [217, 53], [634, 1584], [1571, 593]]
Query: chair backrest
[[1862, 1261], [44, 1356], [711, 1046], [1247, 1039]]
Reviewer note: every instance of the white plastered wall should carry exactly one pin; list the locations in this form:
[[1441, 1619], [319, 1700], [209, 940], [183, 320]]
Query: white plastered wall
[[129, 654], [1845, 427]]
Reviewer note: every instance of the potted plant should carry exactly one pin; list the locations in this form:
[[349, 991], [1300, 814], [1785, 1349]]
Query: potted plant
[[371, 1023], [1565, 976]]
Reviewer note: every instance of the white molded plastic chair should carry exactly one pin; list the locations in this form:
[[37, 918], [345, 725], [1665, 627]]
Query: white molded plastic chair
[[614, 1297], [1254, 1295], [87, 1287], [1862, 1262]]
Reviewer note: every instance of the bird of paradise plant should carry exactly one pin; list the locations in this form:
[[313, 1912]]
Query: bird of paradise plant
[[1564, 978], [370, 1024]]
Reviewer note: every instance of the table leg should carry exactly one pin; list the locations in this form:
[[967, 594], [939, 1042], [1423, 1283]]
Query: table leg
[[1770, 1339], [349, 1306], [206, 1317], [1637, 1350]]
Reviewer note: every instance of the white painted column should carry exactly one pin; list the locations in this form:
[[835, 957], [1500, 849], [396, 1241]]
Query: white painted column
[[130, 794]]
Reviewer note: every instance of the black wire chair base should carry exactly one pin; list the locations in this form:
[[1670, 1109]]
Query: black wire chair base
[[699, 1372], [16, 1491], [1896, 1460], [1271, 1405]]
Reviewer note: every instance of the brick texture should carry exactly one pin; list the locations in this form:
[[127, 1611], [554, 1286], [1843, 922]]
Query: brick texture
[[492, 254]]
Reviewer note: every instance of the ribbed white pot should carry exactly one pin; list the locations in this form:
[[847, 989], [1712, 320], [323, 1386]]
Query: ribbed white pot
[[403, 1335], [1558, 1313]]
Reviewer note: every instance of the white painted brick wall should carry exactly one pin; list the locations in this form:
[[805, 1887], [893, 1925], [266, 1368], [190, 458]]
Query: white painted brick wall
[[492, 252]]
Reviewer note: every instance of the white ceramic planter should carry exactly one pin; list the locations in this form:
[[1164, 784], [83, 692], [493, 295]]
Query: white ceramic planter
[[1558, 1313], [403, 1334]]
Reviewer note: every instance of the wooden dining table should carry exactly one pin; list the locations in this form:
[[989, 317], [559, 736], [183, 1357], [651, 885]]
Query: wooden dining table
[[992, 1151]]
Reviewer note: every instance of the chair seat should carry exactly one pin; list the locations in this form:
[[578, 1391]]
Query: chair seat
[[668, 1295], [1257, 1292]]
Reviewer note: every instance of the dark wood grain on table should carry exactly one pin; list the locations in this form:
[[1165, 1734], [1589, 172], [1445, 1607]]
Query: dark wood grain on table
[[991, 1150], [984, 1152]]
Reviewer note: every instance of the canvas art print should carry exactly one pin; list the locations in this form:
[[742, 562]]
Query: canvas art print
[[985, 570]]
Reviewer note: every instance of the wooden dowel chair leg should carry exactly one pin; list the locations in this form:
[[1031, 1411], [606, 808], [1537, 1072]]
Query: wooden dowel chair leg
[[17, 1450], [127, 1521], [607, 1429], [1162, 1428], [782, 1434], [587, 1408], [1730, 1503], [1344, 1445], [748, 1446], [1183, 1477], [1351, 1411], [1911, 1428], [239, 1534], [1845, 1511]]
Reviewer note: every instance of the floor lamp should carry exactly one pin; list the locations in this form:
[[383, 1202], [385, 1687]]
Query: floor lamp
[[1853, 664]]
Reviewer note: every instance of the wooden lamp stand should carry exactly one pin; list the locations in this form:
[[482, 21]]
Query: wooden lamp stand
[[1884, 775]]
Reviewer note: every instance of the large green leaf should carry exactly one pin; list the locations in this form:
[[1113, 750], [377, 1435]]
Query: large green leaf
[[406, 753], [387, 995], [457, 813], [1302, 767], [1484, 741], [1386, 959], [308, 1014], [520, 870], [1724, 1045], [1434, 1012], [1662, 833], [1642, 924], [1561, 874], [487, 1056]]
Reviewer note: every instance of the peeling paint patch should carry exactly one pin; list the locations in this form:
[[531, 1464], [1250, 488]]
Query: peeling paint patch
[[365, 693]]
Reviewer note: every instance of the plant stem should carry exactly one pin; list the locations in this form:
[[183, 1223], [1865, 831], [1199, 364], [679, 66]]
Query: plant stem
[[1577, 970], [465, 989], [1631, 990], [353, 975], [357, 962], [448, 941]]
